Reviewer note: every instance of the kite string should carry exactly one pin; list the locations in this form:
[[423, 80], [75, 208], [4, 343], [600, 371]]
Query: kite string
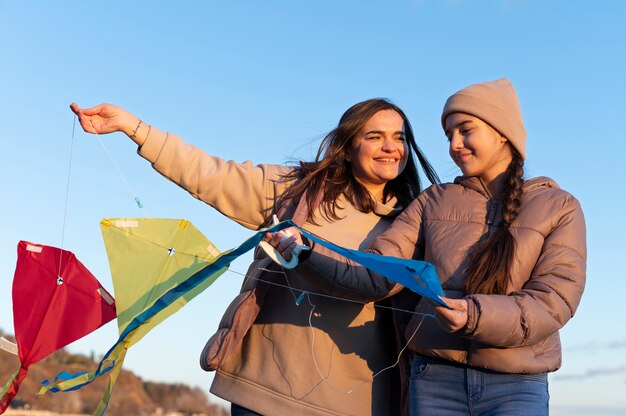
[[119, 171], [308, 294], [67, 186], [293, 290], [67, 194], [370, 379]]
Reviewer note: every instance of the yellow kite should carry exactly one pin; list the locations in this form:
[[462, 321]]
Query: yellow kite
[[152, 261]]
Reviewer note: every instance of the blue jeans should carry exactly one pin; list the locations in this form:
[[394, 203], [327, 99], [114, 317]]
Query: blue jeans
[[236, 410], [439, 387]]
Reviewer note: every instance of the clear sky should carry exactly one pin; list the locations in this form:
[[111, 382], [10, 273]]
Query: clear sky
[[264, 81]]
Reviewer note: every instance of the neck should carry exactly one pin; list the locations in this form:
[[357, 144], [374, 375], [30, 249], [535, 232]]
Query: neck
[[494, 177], [493, 184], [377, 191]]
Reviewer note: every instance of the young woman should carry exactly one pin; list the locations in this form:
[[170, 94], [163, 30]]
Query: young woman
[[511, 256], [273, 353]]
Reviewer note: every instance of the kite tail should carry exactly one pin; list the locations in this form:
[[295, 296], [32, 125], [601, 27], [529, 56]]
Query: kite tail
[[67, 381], [104, 403], [11, 388]]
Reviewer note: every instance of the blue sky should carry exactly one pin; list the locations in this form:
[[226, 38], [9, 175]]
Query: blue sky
[[264, 81]]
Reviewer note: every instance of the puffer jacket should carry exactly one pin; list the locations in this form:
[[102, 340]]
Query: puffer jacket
[[282, 347], [513, 333]]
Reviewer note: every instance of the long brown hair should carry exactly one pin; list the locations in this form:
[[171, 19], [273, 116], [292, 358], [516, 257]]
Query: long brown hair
[[489, 269], [332, 172]]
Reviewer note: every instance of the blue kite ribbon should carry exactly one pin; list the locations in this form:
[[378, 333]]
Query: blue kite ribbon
[[419, 276]]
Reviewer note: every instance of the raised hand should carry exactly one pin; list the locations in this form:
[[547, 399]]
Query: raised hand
[[106, 118]]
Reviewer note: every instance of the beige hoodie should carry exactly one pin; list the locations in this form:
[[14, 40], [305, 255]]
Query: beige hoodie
[[315, 358]]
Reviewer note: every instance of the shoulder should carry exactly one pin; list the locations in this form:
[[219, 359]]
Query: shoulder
[[442, 189], [544, 190], [436, 198], [545, 206], [279, 173], [444, 194]]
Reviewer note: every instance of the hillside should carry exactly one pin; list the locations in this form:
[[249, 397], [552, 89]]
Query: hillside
[[132, 395]]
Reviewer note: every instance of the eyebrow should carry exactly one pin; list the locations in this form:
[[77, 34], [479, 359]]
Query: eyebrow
[[382, 132], [447, 131]]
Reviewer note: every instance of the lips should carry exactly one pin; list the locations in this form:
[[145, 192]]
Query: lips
[[386, 159], [461, 157]]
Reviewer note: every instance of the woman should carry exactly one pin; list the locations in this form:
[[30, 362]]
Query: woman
[[510, 254], [275, 352]]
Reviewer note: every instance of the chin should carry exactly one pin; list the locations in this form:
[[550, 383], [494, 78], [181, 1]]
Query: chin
[[391, 175], [467, 172]]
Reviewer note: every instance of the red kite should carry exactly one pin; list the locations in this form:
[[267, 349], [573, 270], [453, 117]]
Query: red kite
[[56, 301]]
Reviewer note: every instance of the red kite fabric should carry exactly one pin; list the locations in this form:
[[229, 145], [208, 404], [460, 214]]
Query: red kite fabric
[[56, 301]]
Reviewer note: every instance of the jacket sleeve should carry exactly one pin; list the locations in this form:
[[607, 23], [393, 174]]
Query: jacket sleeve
[[336, 274], [550, 297], [217, 182]]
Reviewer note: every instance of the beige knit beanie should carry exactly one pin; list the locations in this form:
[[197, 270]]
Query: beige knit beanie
[[494, 102]]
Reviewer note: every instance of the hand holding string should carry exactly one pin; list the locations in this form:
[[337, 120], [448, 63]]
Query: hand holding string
[[285, 242], [452, 319], [107, 118]]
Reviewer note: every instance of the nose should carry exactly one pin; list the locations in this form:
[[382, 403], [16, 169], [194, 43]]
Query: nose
[[456, 141], [388, 145]]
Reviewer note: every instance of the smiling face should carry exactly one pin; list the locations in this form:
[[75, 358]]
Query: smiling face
[[476, 147], [378, 152]]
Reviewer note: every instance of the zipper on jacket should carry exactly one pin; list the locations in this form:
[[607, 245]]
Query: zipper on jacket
[[491, 211]]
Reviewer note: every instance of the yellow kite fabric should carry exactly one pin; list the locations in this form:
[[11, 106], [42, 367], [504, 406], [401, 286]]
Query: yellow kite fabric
[[151, 261], [147, 258]]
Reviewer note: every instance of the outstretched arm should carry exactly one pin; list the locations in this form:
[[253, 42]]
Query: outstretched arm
[[217, 182]]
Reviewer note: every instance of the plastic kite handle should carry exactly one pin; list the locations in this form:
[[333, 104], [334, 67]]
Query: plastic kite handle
[[275, 255]]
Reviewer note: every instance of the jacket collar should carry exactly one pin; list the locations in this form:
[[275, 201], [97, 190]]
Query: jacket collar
[[474, 183]]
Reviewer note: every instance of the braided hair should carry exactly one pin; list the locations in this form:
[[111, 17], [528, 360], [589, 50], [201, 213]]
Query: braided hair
[[489, 269]]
